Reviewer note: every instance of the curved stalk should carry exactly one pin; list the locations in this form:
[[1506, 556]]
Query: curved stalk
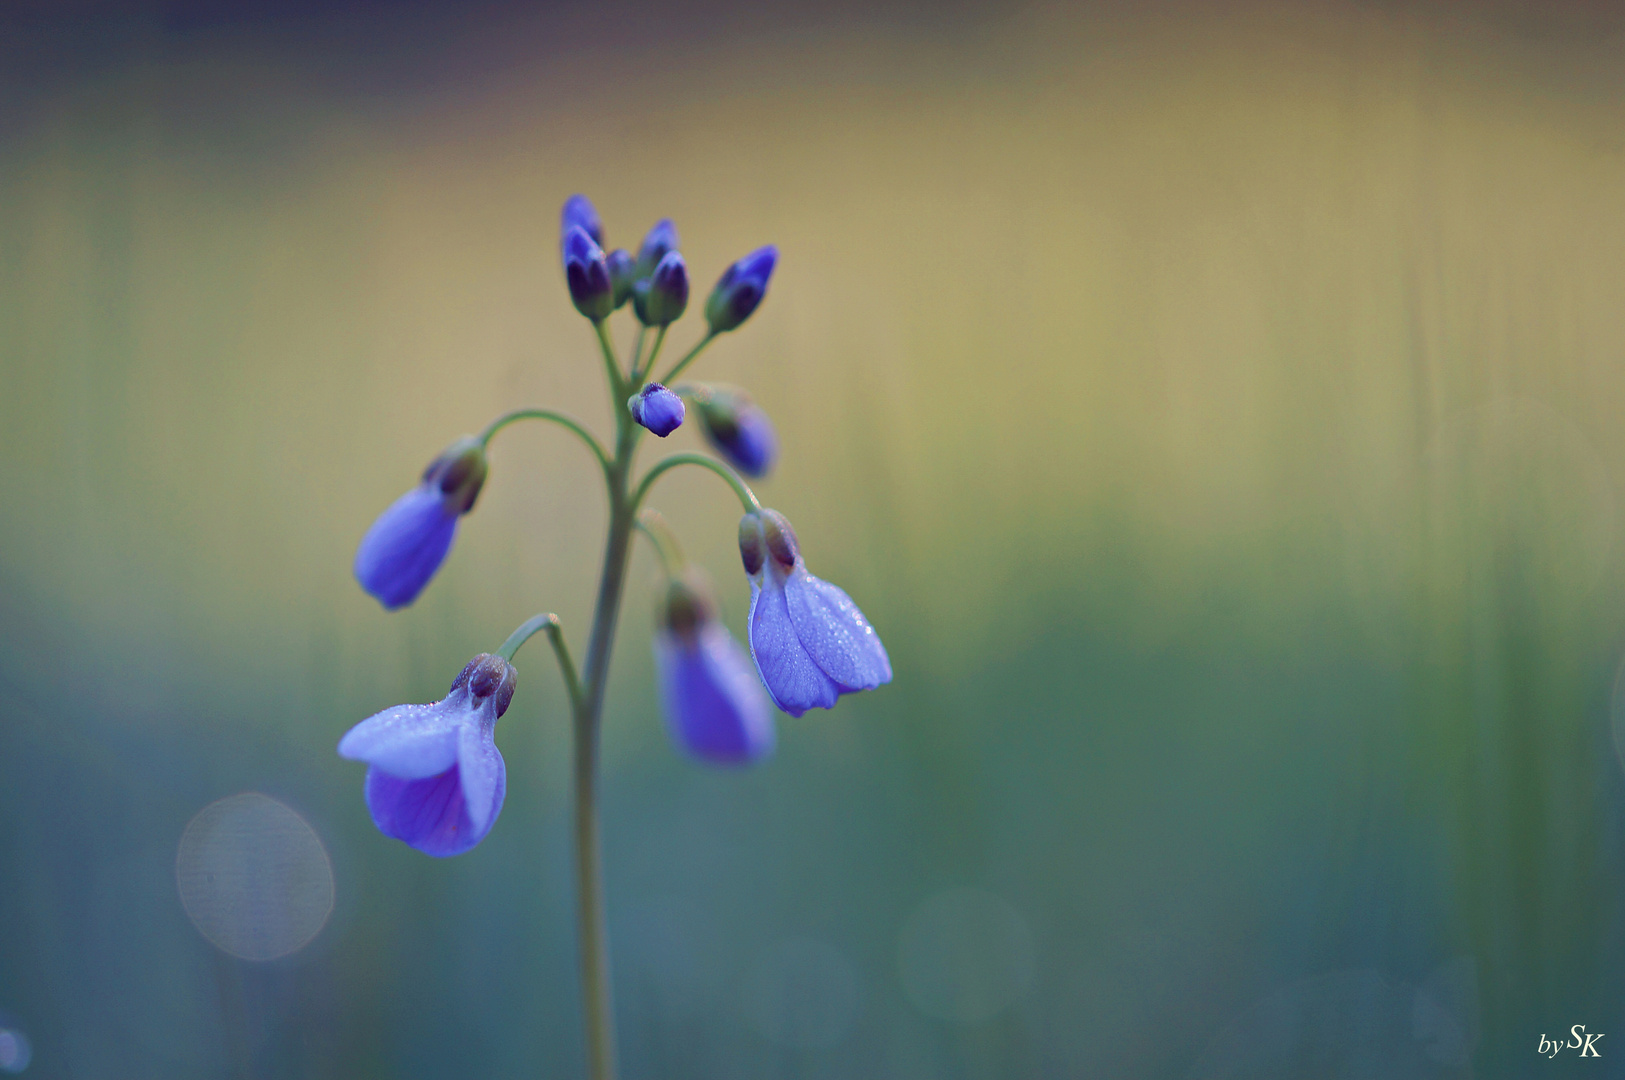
[[747, 497], [568, 422]]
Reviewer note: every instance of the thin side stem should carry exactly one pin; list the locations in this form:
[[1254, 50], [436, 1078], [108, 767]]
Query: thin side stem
[[555, 634], [637, 352], [639, 378], [677, 368], [747, 497], [651, 524], [612, 368], [567, 422]]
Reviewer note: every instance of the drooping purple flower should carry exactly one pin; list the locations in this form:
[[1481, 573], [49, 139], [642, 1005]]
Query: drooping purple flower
[[737, 428], [623, 272], [810, 642], [435, 778], [714, 705], [662, 299], [587, 275], [740, 289], [657, 409], [409, 541], [659, 242], [579, 212]]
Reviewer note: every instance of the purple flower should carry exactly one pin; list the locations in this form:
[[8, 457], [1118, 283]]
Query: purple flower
[[435, 778], [740, 289], [587, 275], [657, 244], [409, 541], [714, 705], [810, 642], [579, 212], [657, 409], [661, 300], [737, 428]]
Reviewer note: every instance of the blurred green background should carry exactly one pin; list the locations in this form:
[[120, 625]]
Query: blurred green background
[[1213, 406]]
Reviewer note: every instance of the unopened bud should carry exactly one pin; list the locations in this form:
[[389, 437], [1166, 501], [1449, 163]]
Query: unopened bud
[[657, 244], [587, 275], [657, 409], [579, 212], [740, 289], [739, 430], [666, 296]]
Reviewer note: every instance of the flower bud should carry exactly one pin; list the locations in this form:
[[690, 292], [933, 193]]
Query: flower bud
[[579, 212], [587, 275], [662, 299], [739, 430], [740, 289], [622, 272], [458, 474], [660, 242], [657, 409]]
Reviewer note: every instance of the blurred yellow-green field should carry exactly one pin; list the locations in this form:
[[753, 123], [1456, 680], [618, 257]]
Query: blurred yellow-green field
[[1212, 406]]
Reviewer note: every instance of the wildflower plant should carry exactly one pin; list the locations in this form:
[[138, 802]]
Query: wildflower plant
[[435, 779]]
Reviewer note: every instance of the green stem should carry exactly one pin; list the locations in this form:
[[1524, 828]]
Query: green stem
[[556, 417], [747, 497], [555, 634], [597, 1005], [639, 378], [637, 352], [617, 385], [677, 368], [651, 524]]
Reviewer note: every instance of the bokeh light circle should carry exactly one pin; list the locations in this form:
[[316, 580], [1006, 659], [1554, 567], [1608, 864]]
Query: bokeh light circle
[[965, 955], [802, 994], [15, 1053], [254, 877]]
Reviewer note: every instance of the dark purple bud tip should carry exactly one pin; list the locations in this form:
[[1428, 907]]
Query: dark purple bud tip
[[488, 676], [623, 270], [579, 213], [781, 539], [738, 430], [459, 474], [660, 242], [752, 548], [587, 275], [667, 294], [689, 605], [657, 409], [740, 290]]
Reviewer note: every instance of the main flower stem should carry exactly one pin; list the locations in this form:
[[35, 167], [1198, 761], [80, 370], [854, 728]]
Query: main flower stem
[[597, 1007]]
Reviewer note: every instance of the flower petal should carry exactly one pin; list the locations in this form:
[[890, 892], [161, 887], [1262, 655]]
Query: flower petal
[[485, 776], [405, 546], [714, 704], [835, 633], [410, 742], [429, 814], [796, 683]]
